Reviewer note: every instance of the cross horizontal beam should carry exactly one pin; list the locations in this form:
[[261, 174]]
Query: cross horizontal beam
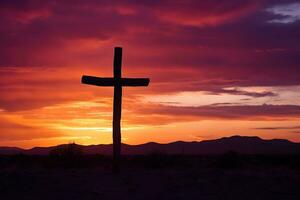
[[117, 82], [98, 81]]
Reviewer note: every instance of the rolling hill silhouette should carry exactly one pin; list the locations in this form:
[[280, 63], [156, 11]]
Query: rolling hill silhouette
[[239, 144]]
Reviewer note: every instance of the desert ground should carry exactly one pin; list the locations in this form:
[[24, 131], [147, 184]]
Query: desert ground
[[151, 177]]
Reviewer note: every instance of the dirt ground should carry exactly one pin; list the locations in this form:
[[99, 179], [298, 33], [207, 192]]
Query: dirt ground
[[184, 183]]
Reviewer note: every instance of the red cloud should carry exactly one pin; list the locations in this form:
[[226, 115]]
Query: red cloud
[[177, 55]]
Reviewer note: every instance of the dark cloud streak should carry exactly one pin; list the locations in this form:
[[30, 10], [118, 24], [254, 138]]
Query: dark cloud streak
[[241, 112]]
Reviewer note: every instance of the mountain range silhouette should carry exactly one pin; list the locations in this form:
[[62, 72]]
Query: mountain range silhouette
[[239, 144]]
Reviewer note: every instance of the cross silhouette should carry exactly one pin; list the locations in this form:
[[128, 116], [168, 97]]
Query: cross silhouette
[[117, 82]]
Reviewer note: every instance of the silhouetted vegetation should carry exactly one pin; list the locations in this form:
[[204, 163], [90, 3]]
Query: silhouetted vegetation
[[71, 150], [70, 156]]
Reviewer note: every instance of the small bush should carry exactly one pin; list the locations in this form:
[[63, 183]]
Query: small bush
[[69, 155]]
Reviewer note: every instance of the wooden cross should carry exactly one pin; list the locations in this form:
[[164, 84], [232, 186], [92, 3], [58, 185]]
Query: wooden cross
[[117, 82]]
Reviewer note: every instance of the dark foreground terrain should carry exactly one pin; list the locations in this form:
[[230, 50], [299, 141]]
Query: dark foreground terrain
[[156, 176]]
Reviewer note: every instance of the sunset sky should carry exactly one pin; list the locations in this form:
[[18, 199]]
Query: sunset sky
[[217, 68]]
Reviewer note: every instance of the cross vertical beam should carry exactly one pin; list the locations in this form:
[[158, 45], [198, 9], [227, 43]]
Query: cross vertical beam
[[117, 109], [117, 82]]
